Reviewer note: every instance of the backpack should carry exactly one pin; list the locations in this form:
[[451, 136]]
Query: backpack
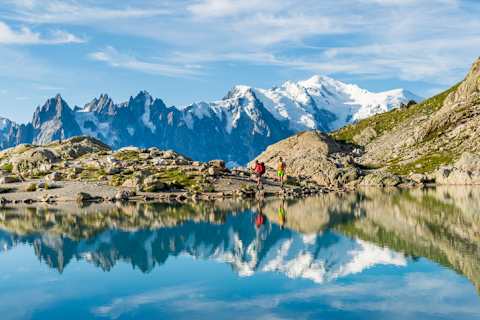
[[262, 168]]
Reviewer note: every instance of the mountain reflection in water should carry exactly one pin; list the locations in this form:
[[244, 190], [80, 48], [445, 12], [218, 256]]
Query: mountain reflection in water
[[320, 239]]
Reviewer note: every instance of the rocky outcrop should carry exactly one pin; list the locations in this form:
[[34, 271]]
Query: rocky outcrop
[[313, 155], [425, 137], [465, 171], [381, 179]]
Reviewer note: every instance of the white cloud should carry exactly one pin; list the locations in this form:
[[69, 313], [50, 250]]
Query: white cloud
[[117, 59], [226, 8], [400, 39], [120, 306], [26, 36], [396, 296], [437, 60], [71, 11], [267, 29]]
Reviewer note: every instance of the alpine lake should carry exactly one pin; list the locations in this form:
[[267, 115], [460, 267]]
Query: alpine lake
[[370, 254]]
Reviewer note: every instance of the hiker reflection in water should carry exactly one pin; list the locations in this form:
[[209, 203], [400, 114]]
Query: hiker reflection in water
[[260, 218], [282, 215]]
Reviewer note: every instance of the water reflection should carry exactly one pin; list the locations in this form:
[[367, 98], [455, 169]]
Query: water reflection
[[320, 239]]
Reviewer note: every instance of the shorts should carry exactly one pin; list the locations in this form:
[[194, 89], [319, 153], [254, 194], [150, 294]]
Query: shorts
[[280, 173]]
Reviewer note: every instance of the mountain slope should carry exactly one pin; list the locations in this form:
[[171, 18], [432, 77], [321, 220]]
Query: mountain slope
[[422, 137], [236, 128]]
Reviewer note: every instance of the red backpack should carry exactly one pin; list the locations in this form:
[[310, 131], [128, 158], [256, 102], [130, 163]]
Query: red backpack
[[260, 168]]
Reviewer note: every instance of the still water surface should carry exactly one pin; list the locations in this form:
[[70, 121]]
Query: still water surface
[[367, 255]]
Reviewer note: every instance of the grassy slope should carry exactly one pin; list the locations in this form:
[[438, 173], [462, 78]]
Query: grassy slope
[[385, 122]]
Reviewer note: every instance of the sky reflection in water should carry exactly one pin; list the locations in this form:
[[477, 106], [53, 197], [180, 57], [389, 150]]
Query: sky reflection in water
[[370, 255]]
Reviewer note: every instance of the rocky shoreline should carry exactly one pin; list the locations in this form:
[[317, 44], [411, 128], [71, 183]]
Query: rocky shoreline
[[83, 169]]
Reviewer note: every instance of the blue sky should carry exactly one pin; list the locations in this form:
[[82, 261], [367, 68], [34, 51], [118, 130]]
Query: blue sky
[[189, 50]]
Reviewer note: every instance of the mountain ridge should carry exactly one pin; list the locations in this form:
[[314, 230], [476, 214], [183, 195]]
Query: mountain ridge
[[235, 128]]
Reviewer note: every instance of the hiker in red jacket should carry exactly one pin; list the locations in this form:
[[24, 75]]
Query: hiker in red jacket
[[259, 171]]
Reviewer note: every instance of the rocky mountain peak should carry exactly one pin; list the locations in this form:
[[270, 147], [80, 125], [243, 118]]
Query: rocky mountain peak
[[54, 107], [240, 91], [468, 92], [143, 96], [102, 104], [236, 128]]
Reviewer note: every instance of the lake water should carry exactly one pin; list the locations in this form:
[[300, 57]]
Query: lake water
[[367, 255]]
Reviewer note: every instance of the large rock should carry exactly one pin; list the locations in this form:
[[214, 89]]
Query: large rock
[[217, 163], [9, 179], [381, 179], [153, 184], [312, 155], [365, 136], [33, 159], [76, 147], [466, 171]]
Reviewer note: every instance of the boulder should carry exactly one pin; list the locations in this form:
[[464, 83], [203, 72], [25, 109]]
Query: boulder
[[154, 152], [33, 159], [418, 178], [112, 170], [76, 147], [348, 175], [133, 182], [153, 184], [124, 195], [466, 171], [169, 154], [217, 164], [9, 179], [365, 136], [54, 176], [311, 155], [381, 179], [213, 171], [83, 197], [48, 199]]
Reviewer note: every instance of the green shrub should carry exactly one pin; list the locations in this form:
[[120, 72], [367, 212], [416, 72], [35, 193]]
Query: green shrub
[[7, 167], [31, 187]]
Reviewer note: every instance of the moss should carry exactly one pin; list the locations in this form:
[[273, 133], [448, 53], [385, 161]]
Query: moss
[[31, 187], [6, 190], [118, 180], [7, 167], [177, 177], [127, 155], [92, 174], [386, 121], [424, 164]]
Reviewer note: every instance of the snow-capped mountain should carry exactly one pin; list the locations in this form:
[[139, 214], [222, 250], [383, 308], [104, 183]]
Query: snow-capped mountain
[[236, 128]]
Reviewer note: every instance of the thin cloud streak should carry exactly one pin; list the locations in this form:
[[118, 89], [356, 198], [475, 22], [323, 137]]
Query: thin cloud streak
[[74, 12], [25, 36], [117, 59]]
